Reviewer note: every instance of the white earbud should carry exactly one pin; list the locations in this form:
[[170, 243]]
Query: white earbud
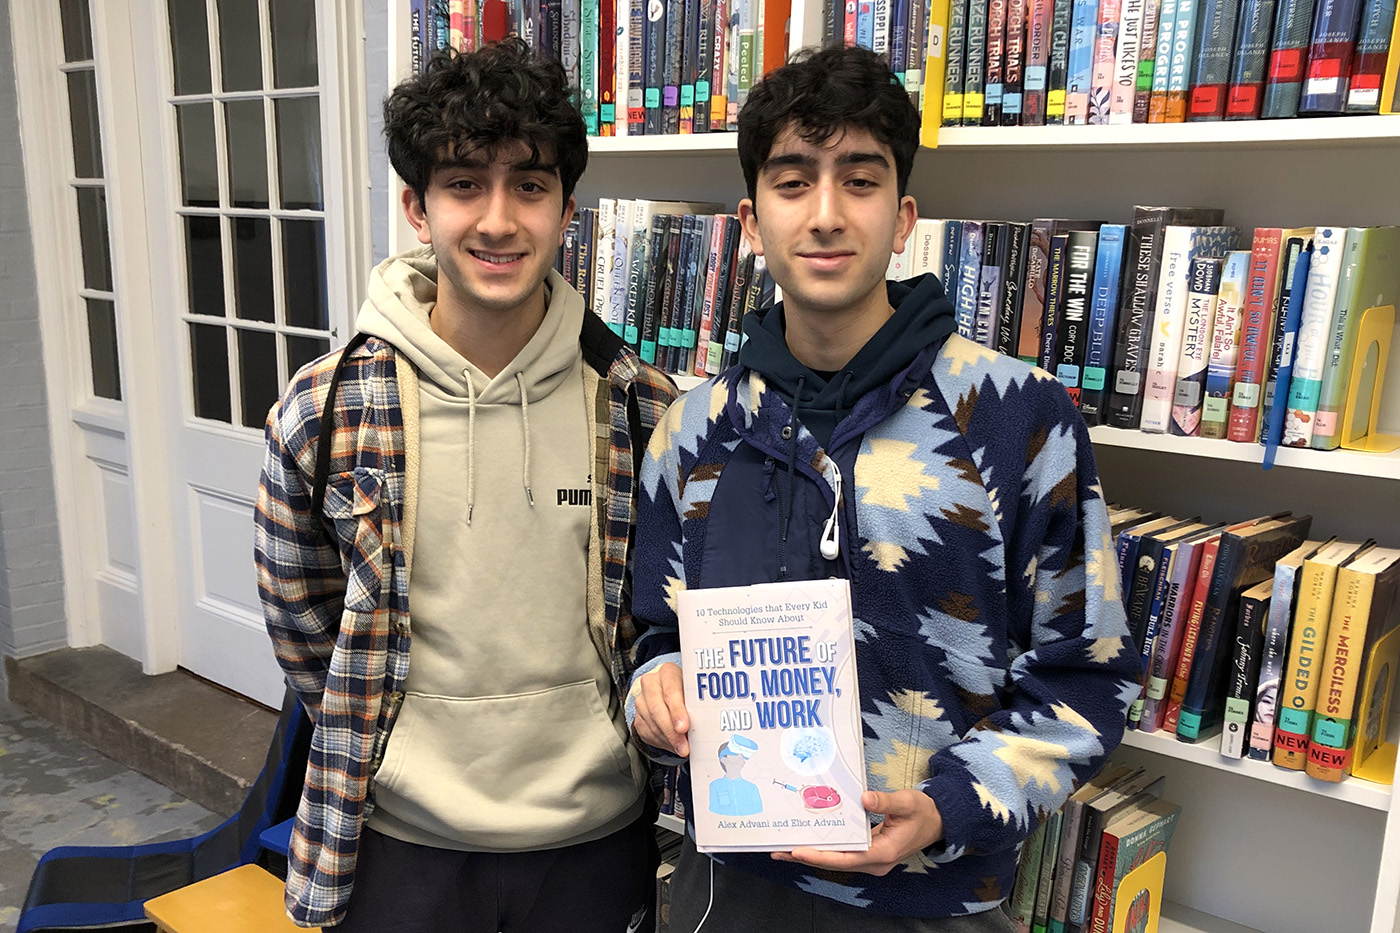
[[831, 531]]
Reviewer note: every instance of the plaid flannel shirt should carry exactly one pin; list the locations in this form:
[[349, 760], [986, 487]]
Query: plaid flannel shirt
[[334, 587]]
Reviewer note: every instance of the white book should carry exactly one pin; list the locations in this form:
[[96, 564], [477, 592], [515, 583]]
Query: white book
[[1314, 335], [1203, 293], [617, 277], [1126, 66], [622, 57], [602, 259], [776, 756]]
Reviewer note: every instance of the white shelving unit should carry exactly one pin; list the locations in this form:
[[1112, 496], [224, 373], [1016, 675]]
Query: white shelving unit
[[1257, 848]]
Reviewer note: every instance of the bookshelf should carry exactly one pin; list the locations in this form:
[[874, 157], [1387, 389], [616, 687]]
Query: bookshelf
[[1257, 849]]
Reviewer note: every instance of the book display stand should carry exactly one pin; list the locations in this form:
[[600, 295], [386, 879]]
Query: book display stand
[[1361, 418]]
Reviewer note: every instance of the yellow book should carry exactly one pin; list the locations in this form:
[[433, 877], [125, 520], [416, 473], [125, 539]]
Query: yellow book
[[935, 72], [1390, 102], [1306, 643], [1361, 610]]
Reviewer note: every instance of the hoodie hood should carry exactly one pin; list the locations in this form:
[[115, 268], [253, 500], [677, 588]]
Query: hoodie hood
[[402, 293], [923, 316]]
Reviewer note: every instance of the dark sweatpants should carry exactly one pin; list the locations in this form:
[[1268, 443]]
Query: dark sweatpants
[[604, 886], [744, 903]]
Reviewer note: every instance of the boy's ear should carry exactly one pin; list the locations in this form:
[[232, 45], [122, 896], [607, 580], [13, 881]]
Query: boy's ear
[[908, 217], [748, 222], [417, 215], [569, 207]]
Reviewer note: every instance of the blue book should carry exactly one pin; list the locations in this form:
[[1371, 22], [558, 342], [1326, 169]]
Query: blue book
[[969, 278], [865, 24], [952, 250], [1103, 319], [1292, 316], [1083, 31]]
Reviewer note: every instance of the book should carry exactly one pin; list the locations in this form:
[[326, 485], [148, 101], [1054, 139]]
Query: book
[[1316, 586], [1127, 544], [1183, 45], [974, 88], [1057, 74], [1203, 293], [1097, 813], [1103, 320], [1246, 557], [1129, 840], [1245, 97], [1128, 56], [996, 62], [1014, 71], [1314, 335], [1021, 905], [1013, 284], [1190, 634], [1071, 827], [955, 74], [1102, 80], [1162, 63], [1265, 269], [1243, 673], [1037, 62], [1224, 344], [775, 717], [1176, 610], [1283, 89], [1283, 598], [1365, 607], [990, 287], [1330, 51], [1297, 252], [1368, 64], [1054, 296], [1138, 304], [1080, 68], [969, 277], [1215, 47], [1372, 757], [1147, 58], [1181, 245], [1370, 278], [1040, 914], [1036, 291], [1072, 310], [1274, 414]]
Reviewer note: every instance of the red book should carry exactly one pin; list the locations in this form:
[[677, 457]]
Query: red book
[[607, 67], [1191, 634], [1256, 334]]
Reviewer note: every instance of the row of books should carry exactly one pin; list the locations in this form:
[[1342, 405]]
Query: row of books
[[643, 67], [1070, 875], [1035, 62], [1162, 324], [672, 278], [1284, 644], [669, 846]]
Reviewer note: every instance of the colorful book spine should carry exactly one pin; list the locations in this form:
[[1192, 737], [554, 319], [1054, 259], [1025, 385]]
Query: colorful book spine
[[1166, 647], [1287, 575], [975, 86], [990, 287], [1201, 298], [1368, 64], [1245, 100], [1013, 83], [1072, 315], [1265, 264], [923, 23], [588, 65], [1314, 335], [1224, 345], [1162, 63], [1147, 60], [1183, 45], [996, 62], [1127, 58], [607, 67], [1296, 249], [1243, 674], [1033, 301], [955, 74], [1283, 88], [1080, 75], [723, 52], [704, 65], [1054, 294], [1103, 320], [1214, 51], [1103, 81], [1057, 73], [1044, 888], [1334, 32], [1014, 285], [969, 278], [1190, 636], [1021, 906]]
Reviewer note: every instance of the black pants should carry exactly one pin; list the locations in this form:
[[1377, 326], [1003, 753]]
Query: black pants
[[742, 903], [604, 886]]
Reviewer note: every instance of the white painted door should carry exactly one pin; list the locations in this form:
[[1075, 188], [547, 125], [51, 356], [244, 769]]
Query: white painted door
[[249, 238]]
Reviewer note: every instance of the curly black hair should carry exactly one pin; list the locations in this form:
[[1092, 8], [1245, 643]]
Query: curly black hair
[[466, 103], [824, 93]]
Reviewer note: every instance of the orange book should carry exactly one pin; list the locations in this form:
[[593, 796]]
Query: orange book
[[777, 32]]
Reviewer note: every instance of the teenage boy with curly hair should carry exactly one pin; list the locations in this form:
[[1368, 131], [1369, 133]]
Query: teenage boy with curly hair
[[481, 433], [994, 661]]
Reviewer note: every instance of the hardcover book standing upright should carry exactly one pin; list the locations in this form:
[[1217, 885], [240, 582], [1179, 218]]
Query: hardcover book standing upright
[[776, 756]]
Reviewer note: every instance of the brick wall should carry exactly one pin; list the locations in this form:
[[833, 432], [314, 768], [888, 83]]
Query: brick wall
[[31, 578]]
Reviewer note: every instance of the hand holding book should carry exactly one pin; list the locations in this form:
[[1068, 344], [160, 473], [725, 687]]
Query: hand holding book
[[912, 823], [661, 719]]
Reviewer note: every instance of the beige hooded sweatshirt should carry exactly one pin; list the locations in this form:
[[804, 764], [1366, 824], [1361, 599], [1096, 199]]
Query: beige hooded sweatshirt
[[510, 737]]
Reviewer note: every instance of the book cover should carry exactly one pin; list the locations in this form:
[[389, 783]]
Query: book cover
[[1261, 296], [1283, 88], [969, 278], [1181, 245], [1147, 59], [1167, 646], [1138, 303], [1013, 82], [1102, 80], [1246, 557], [1214, 50], [1014, 284], [1071, 828], [1129, 841], [606, 67], [1126, 547], [1245, 98], [587, 64], [1097, 813], [1162, 62], [725, 276], [990, 287], [1297, 251], [775, 729], [1334, 31], [1224, 344], [1364, 607], [952, 253], [1072, 310], [1370, 278], [721, 328], [1203, 293], [1054, 295], [1372, 757], [1314, 335], [1127, 58], [975, 65], [1057, 72], [1037, 62], [996, 62], [1083, 31], [1021, 905], [654, 66], [661, 264], [1036, 291], [1040, 914], [955, 73], [1368, 64], [1308, 637], [1243, 673], [1183, 46], [1190, 634], [1103, 320], [1283, 598]]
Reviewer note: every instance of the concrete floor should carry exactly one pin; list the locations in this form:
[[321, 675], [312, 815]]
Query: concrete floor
[[54, 790]]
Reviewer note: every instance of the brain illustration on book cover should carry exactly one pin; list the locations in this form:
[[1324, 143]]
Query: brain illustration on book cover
[[776, 755]]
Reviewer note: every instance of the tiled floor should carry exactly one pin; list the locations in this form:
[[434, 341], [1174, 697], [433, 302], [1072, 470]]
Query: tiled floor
[[54, 790]]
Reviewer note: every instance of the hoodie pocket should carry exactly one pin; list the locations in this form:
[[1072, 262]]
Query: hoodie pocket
[[354, 507]]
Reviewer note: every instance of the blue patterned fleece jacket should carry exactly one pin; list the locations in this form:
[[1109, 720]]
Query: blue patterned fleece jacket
[[993, 656]]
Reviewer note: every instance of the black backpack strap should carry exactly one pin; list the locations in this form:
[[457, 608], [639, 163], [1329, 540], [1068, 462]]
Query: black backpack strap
[[323, 444]]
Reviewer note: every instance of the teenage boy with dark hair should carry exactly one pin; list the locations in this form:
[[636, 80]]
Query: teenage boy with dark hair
[[956, 490], [481, 433]]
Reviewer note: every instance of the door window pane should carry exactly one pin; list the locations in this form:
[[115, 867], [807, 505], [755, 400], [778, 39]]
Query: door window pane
[[299, 152], [102, 341], [199, 168], [252, 268], [257, 377], [240, 45], [304, 273], [189, 46], [302, 350], [87, 132], [293, 42], [209, 362], [204, 259], [77, 30], [247, 154], [92, 233]]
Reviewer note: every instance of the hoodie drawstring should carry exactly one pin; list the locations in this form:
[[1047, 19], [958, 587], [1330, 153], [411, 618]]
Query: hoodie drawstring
[[471, 444], [525, 429]]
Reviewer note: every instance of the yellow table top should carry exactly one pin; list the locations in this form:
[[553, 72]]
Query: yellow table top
[[246, 899]]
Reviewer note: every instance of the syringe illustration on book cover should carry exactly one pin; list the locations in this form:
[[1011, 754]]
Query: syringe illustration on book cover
[[776, 757]]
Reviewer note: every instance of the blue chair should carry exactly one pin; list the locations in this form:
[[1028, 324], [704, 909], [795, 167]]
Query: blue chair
[[104, 887]]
